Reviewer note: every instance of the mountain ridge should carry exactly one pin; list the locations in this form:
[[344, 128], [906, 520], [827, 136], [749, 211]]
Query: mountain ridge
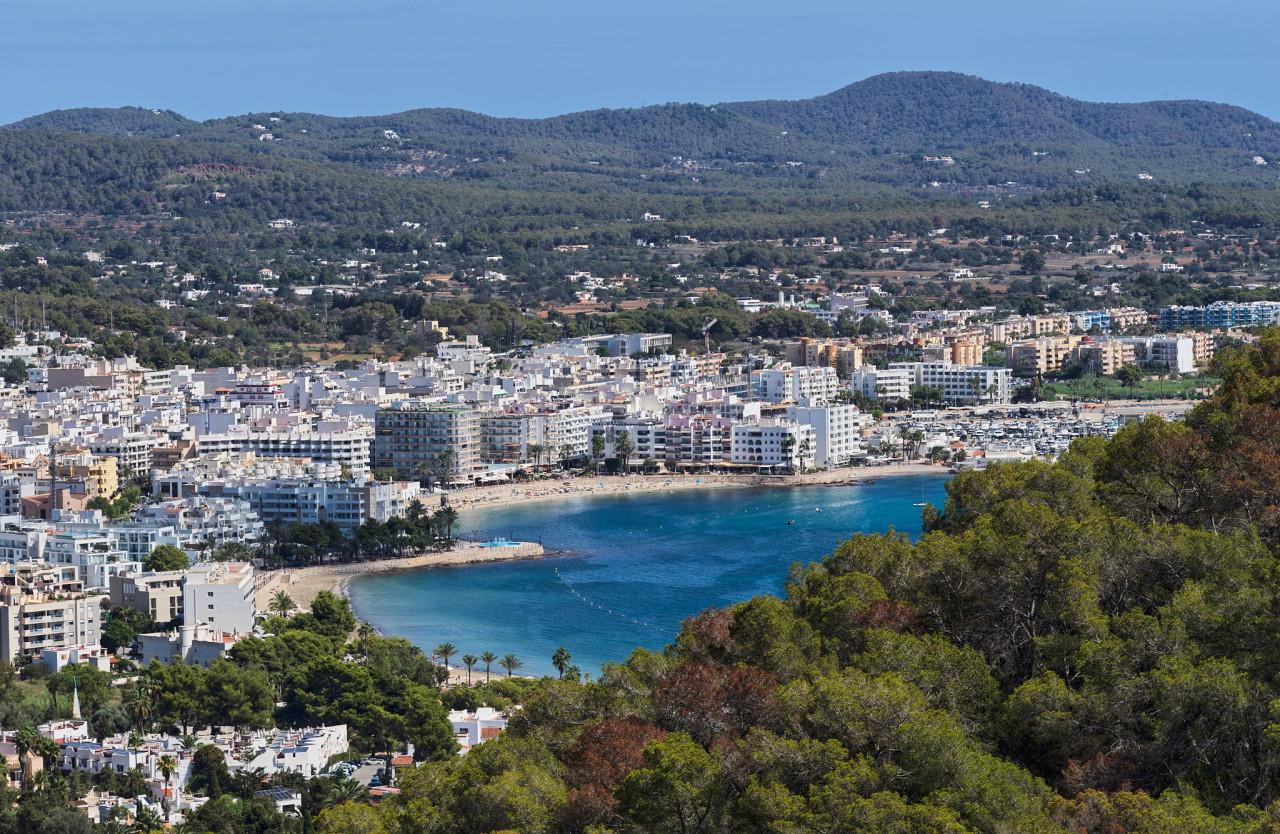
[[945, 132]]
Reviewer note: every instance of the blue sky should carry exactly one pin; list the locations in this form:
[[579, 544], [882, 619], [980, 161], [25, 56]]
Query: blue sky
[[339, 57]]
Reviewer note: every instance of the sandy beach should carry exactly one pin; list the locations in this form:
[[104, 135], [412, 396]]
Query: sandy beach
[[304, 584], [503, 494]]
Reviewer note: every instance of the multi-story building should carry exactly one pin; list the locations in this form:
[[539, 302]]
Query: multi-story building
[[347, 504], [1176, 353], [42, 610], [835, 432], [648, 437], [1221, 314], [215, 520], [883, 384], [349, 449], [156, 594], [816, 385], [307, 752], [132, 450], [194, 645], [1105, 356], [95, 555], [696, 440], [967, 348], [961, 384], [220, 595], [629, 344], [84, 465], [409, 436], [810, 352], [1041, 356], [772, 443]]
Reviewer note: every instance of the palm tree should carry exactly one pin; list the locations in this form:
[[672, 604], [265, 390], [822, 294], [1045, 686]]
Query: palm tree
[[789, 443], [48, 750], [168, 766], [904, 434], [488, 658], [597, 450], [535, 451], [446, 651], [469, 660], [566, 455], [365, 634], [448, 517], [560, 660], [25, 743], [444, 462], [147, 821], [511, 663], [347, 790], [282, 603], [426, 470], [624, 447]]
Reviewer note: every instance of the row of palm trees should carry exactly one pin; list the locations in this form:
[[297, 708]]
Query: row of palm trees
[[509, 662], [416, 531]]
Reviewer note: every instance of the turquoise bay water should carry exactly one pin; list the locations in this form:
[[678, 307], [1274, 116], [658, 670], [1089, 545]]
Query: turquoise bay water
[[633, 566]]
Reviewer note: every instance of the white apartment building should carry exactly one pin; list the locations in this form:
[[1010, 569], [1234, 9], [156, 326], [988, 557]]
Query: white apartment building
[[215, 520], [1177, 353], [648, 435], [772, 443], [836, 437], [961, 384], [220, 595], [346, 448], [883, 385], [95, 555], [301, 751], [132, 450], [347, 504], [21, 545], [817, 385]]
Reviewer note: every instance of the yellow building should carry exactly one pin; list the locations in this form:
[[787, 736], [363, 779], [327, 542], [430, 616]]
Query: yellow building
[[81, 464], [1105, 357]]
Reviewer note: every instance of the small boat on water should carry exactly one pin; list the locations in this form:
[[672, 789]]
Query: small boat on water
[[921, 502], [791, 521], [817, 509]]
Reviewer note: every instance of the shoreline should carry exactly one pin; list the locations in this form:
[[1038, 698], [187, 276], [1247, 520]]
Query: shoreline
[[304, 584], [500, 495]]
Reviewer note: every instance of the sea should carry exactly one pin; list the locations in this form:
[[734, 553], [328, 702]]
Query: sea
[[626, 569]]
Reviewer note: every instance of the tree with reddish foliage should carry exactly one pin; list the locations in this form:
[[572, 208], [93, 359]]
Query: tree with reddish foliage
[[603, 756], [707, 700], [706, 636]]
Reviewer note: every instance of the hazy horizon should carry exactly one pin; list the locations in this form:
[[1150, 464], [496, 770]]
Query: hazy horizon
[[210, 60]]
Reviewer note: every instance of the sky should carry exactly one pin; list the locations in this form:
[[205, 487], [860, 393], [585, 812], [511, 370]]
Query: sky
[[534, 59]]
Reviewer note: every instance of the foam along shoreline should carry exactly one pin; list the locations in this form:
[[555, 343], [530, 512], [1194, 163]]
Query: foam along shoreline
[[303, 584]]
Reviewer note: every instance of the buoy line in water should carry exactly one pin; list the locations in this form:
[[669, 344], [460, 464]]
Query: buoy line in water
[[574, 591]]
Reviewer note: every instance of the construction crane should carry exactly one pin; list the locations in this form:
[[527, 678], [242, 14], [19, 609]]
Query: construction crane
[[706, 333]]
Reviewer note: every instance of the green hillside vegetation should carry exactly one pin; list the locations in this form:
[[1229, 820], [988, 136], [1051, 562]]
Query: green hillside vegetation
[[1086, 646], [876, 130]]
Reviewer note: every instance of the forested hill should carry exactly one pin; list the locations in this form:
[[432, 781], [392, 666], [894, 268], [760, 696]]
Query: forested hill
[[879, 129]]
